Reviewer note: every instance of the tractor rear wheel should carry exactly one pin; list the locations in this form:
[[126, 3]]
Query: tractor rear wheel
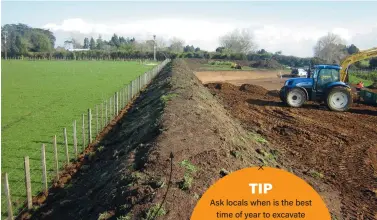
[[339, 99], [295, 97]]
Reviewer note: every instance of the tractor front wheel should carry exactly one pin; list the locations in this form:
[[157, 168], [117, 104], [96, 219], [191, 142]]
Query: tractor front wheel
[[295, 98], [339, 99]]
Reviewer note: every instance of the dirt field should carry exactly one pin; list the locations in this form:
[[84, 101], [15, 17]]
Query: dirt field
[[335, 152], [267, 79]]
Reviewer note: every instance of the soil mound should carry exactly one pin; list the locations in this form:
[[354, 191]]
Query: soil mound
[[253, 89]]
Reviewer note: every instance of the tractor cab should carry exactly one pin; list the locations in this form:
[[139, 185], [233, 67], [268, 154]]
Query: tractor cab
[[323, 85], [325, 77]]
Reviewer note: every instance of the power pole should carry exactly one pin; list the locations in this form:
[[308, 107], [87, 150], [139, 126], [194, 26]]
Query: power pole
[[154, 48]]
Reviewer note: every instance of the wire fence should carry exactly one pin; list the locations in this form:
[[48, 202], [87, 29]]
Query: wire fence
[[55, 153], [78, 58]]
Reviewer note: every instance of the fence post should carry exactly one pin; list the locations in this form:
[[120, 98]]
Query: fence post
[[90, 126], [110, 112], [56, 158], [28, 183], [106, 122], [132, 89], [97, 120], [120, 99], [44, 168], [66, 145], [117, 102], [7, 194], [83, 132], [102, 122], [139, 79], [126, 95], [75, 138]]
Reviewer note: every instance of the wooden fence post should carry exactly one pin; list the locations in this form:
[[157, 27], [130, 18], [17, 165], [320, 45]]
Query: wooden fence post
[[117, 103], [44, 168], [110, 112], [90, 126], [75, 138], [66, 145], [106, 122], [132, 89], [83, 132], [120, 99], [97, 120], [7, 194], [56, 158], [125, 97], [28, 183], [139, 79], [102, 122]]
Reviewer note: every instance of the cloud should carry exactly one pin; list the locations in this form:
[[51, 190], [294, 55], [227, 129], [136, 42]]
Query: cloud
[[292, 40]]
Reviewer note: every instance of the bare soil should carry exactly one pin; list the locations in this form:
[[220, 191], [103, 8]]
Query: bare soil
[[330, 150]]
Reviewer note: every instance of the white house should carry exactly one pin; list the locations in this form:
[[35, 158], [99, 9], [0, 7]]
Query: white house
[[71, 49]]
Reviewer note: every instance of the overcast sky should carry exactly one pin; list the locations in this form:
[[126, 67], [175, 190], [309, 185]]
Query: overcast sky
[[292, 27]]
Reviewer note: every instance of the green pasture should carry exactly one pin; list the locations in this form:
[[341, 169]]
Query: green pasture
[[39, 99]]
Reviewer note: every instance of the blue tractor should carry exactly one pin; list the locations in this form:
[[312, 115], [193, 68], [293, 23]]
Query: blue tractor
[[322, 85]]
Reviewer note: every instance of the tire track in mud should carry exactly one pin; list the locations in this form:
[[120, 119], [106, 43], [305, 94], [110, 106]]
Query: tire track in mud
[[314, 139]]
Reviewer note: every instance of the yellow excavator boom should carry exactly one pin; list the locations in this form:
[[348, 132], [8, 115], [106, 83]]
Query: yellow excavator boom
[[362, 55]]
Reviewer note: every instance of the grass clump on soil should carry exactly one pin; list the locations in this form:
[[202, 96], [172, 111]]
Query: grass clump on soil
[[190, 169], [155, 211], [104, 216], [125, 217], [166, 98], [257, 137], [316, 174]]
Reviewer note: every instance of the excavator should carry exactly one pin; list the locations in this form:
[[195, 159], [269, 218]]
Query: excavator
[[328, 84]]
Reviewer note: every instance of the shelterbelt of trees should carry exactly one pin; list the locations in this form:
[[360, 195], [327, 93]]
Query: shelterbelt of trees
[[20, 40]]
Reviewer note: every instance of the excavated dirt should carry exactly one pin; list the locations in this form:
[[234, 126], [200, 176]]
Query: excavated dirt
[[128, 175], [335, 152]]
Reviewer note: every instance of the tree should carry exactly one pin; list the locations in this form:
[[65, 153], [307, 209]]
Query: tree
[[100, 43], [21, 39], [189, 48], [373, 63], [262, 51], [197, 49], [330, 48], [238, 41], [92, 44], [86, 43], [176, 45], [114, 41], [352, 49], [40, 42], [220, 49]]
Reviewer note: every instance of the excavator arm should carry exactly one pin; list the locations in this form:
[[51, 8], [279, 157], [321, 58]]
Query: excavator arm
[[362, 55]]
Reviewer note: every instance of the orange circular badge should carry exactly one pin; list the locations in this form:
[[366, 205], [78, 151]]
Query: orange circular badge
[[253, 193]]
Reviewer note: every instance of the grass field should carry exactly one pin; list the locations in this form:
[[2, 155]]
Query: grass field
[[39, 99]]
